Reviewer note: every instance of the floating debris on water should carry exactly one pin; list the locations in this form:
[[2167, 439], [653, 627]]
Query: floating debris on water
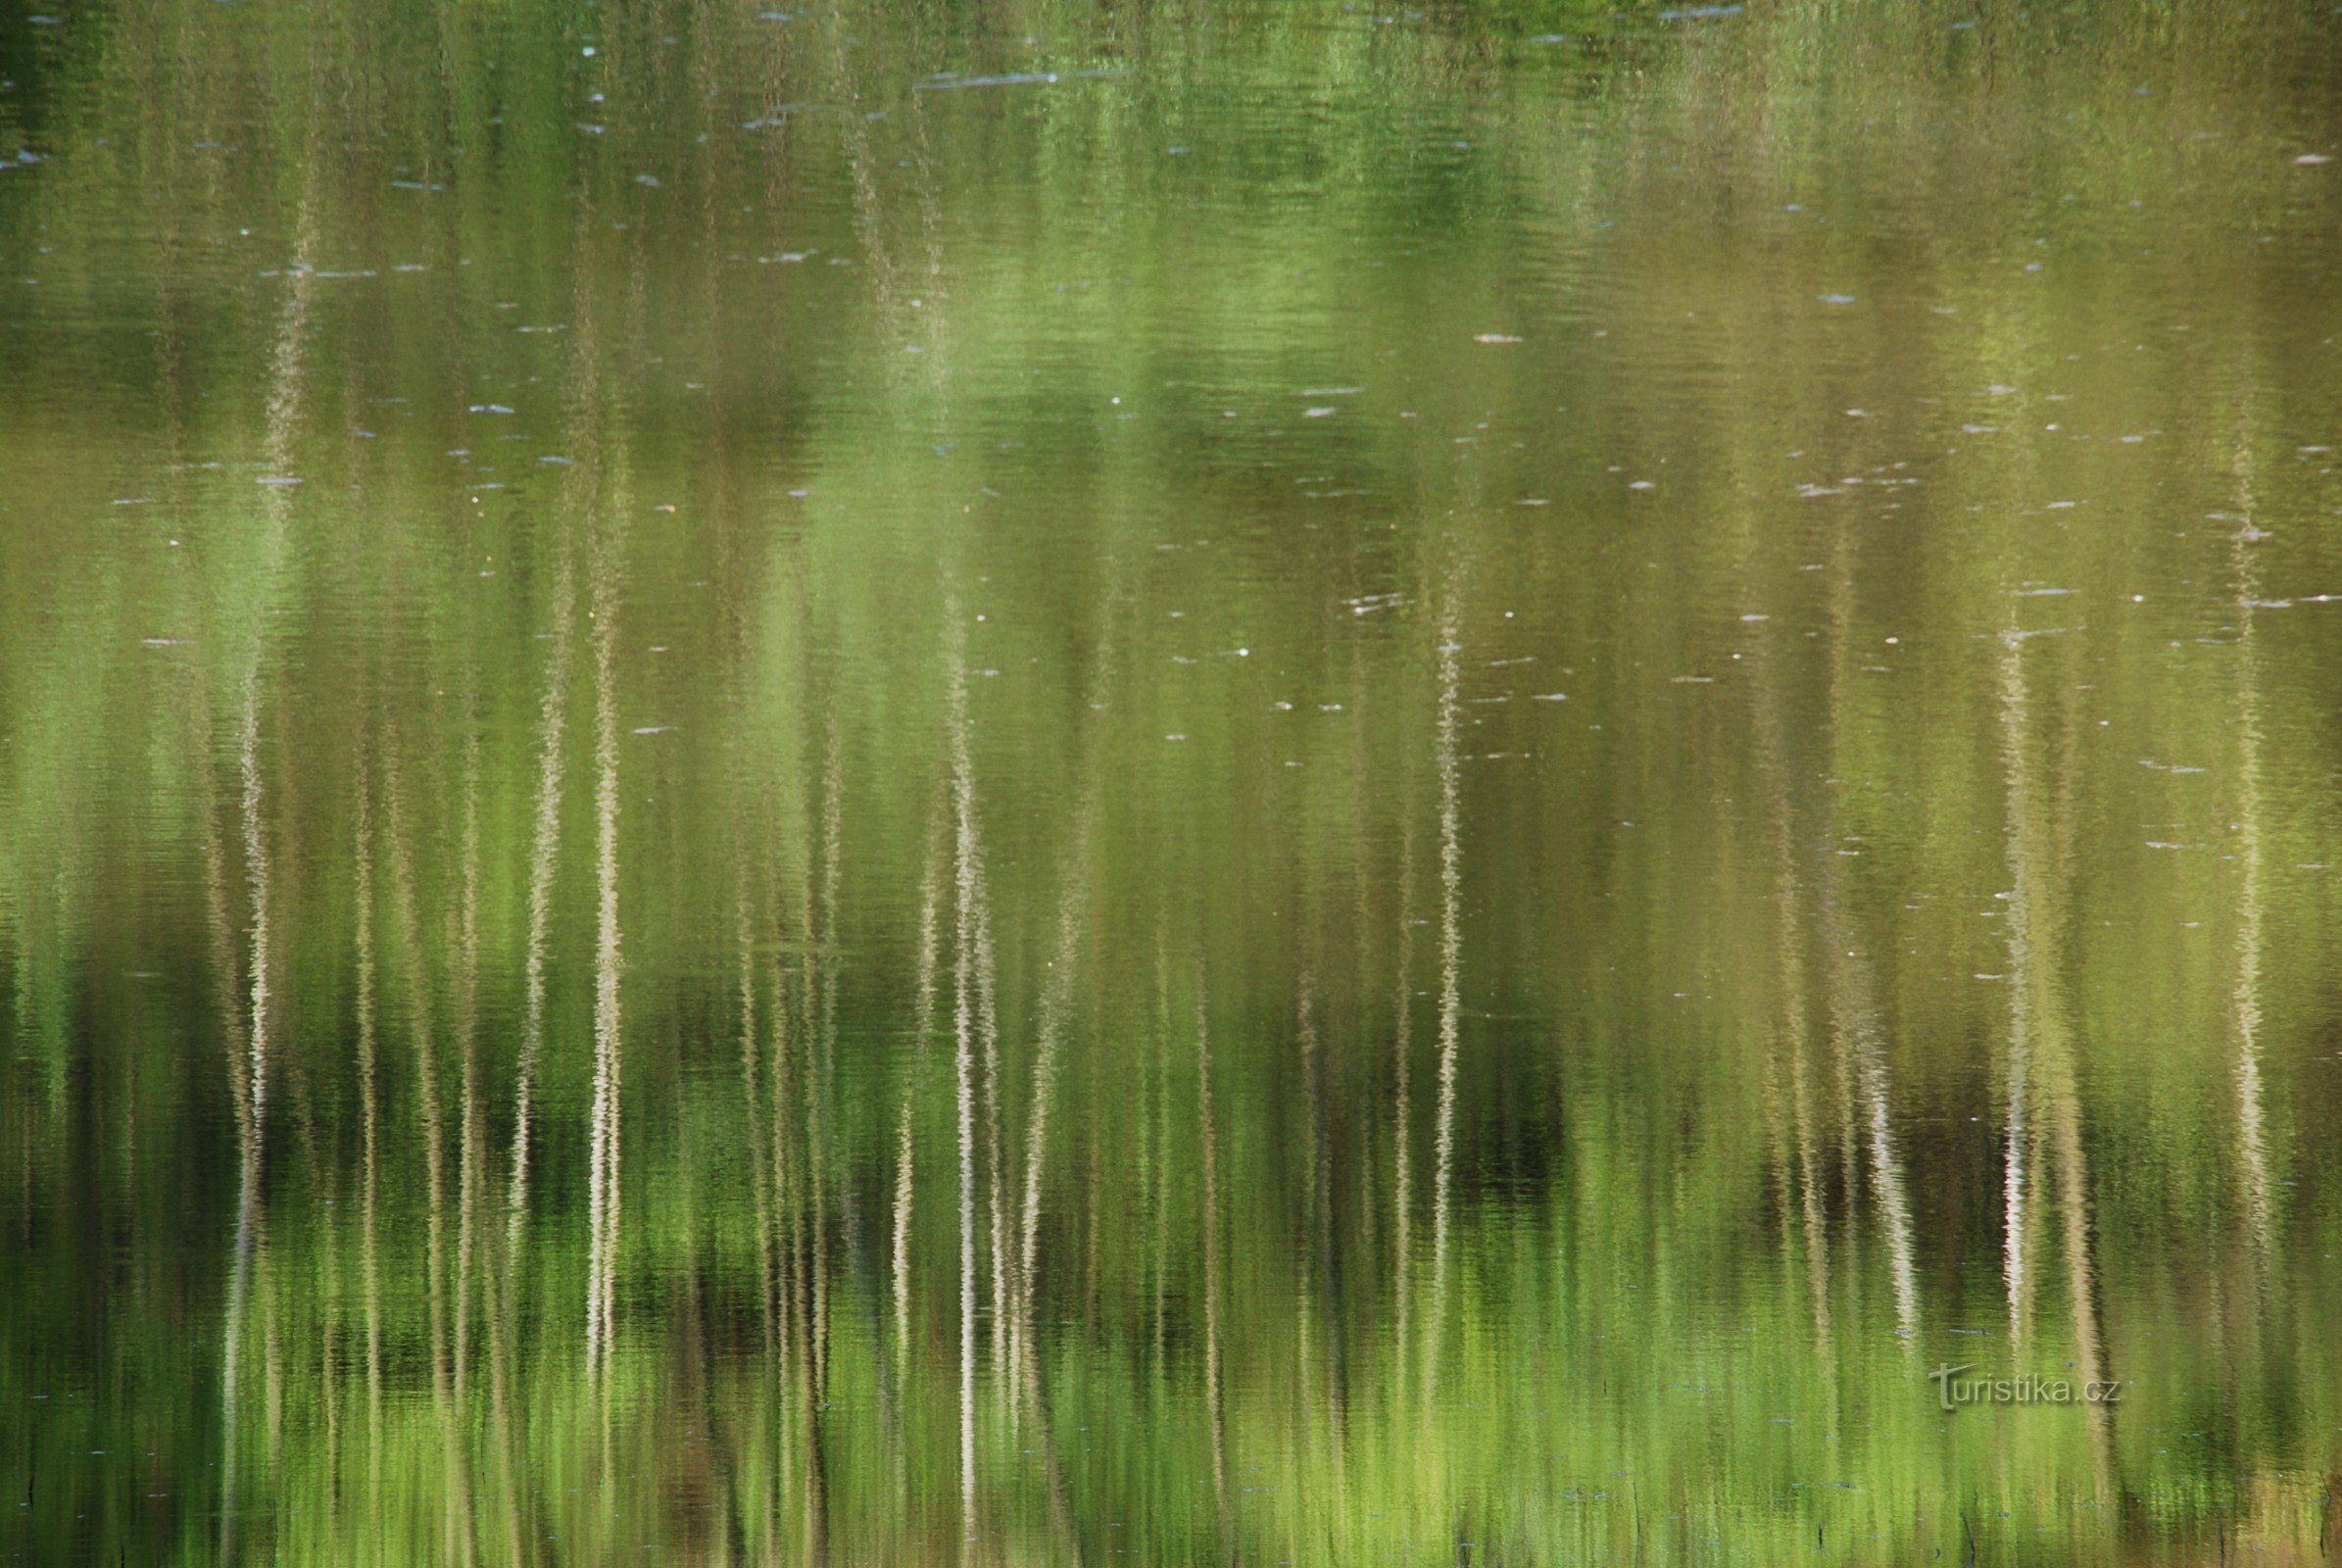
[[1015, 79]]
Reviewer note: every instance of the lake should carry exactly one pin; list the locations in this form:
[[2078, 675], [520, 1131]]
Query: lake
[[1066, 782]]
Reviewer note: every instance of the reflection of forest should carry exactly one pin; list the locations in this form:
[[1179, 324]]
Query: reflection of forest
[[720, 936]]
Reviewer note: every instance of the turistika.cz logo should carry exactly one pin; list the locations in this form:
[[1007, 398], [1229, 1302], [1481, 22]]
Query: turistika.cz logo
[[1952, 1390]]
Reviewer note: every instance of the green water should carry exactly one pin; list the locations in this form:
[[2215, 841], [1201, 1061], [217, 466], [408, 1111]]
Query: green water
[[1164, 783]]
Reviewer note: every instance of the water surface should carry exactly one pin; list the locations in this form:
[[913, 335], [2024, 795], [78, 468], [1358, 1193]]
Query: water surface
[[1043, 784]]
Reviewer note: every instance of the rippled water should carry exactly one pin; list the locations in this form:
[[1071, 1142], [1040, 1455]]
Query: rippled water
[[1016, 784]]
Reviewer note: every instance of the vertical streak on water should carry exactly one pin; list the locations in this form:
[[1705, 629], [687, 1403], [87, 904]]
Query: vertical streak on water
[[1056, 999], [1796, 1031], [251, 1101], [1154, 1151], [1402, 1157], [822, 978], [256, 873], [1854, 1032], [1451, 883], [1208, 1135], [964, 1029], [602, 1182], [789, 1316], [331, 1325], [544, 842], [825, 1041], [580, 499], [868, 202], [2061, 1107], [760, 1158], [472, 1128], [1313, 1196], [1863, 1035], [368, 1123], [2251, 1135], [2016, 1150], [2060, 1125], [988, 1029], [426, 1076], [1861, 1046], [220, 922], [931, 900], [1809, 1186], [496, 1292], [899, 1272], [286, 384], [1366, 1176]]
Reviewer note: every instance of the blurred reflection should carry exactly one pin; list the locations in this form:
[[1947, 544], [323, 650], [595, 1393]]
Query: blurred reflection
[[1211, 787]]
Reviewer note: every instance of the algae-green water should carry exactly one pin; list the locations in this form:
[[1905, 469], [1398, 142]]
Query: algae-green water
[[1051, 783]]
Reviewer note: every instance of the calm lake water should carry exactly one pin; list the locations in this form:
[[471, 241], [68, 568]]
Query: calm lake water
[[1047, 783]]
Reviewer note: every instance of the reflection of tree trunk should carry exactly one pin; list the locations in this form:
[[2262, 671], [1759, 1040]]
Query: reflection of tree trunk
[[813, 1356], [989, 1092], [2062, 1108], [581, 497], [931, 901], [287, 381], [1093, 1181], [257, 872], [1402, 1157], [252, 1102], [473, 1175], [368, 1130], [1862, 1046], [1795, 1039], [1319, 1298], [1156, 1145], [1057, 1000], [426, 1072], [787, 1230], [819, 1143], [1313, 1194], [604, 1187], [801, 1349], [966, 1025], [472, 1149], [760, 1158], [544, 842], [2023, 977], [2251, 1135], [226, 967], [805, 1353], [977, 1020], [1451, 886], [1052, 1467], [2062, 1117], [1809, 1197], [1858, 1035], [605, 573], [1213, 1365], [471, 1123], [2041, 1076], [497, 1325]]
